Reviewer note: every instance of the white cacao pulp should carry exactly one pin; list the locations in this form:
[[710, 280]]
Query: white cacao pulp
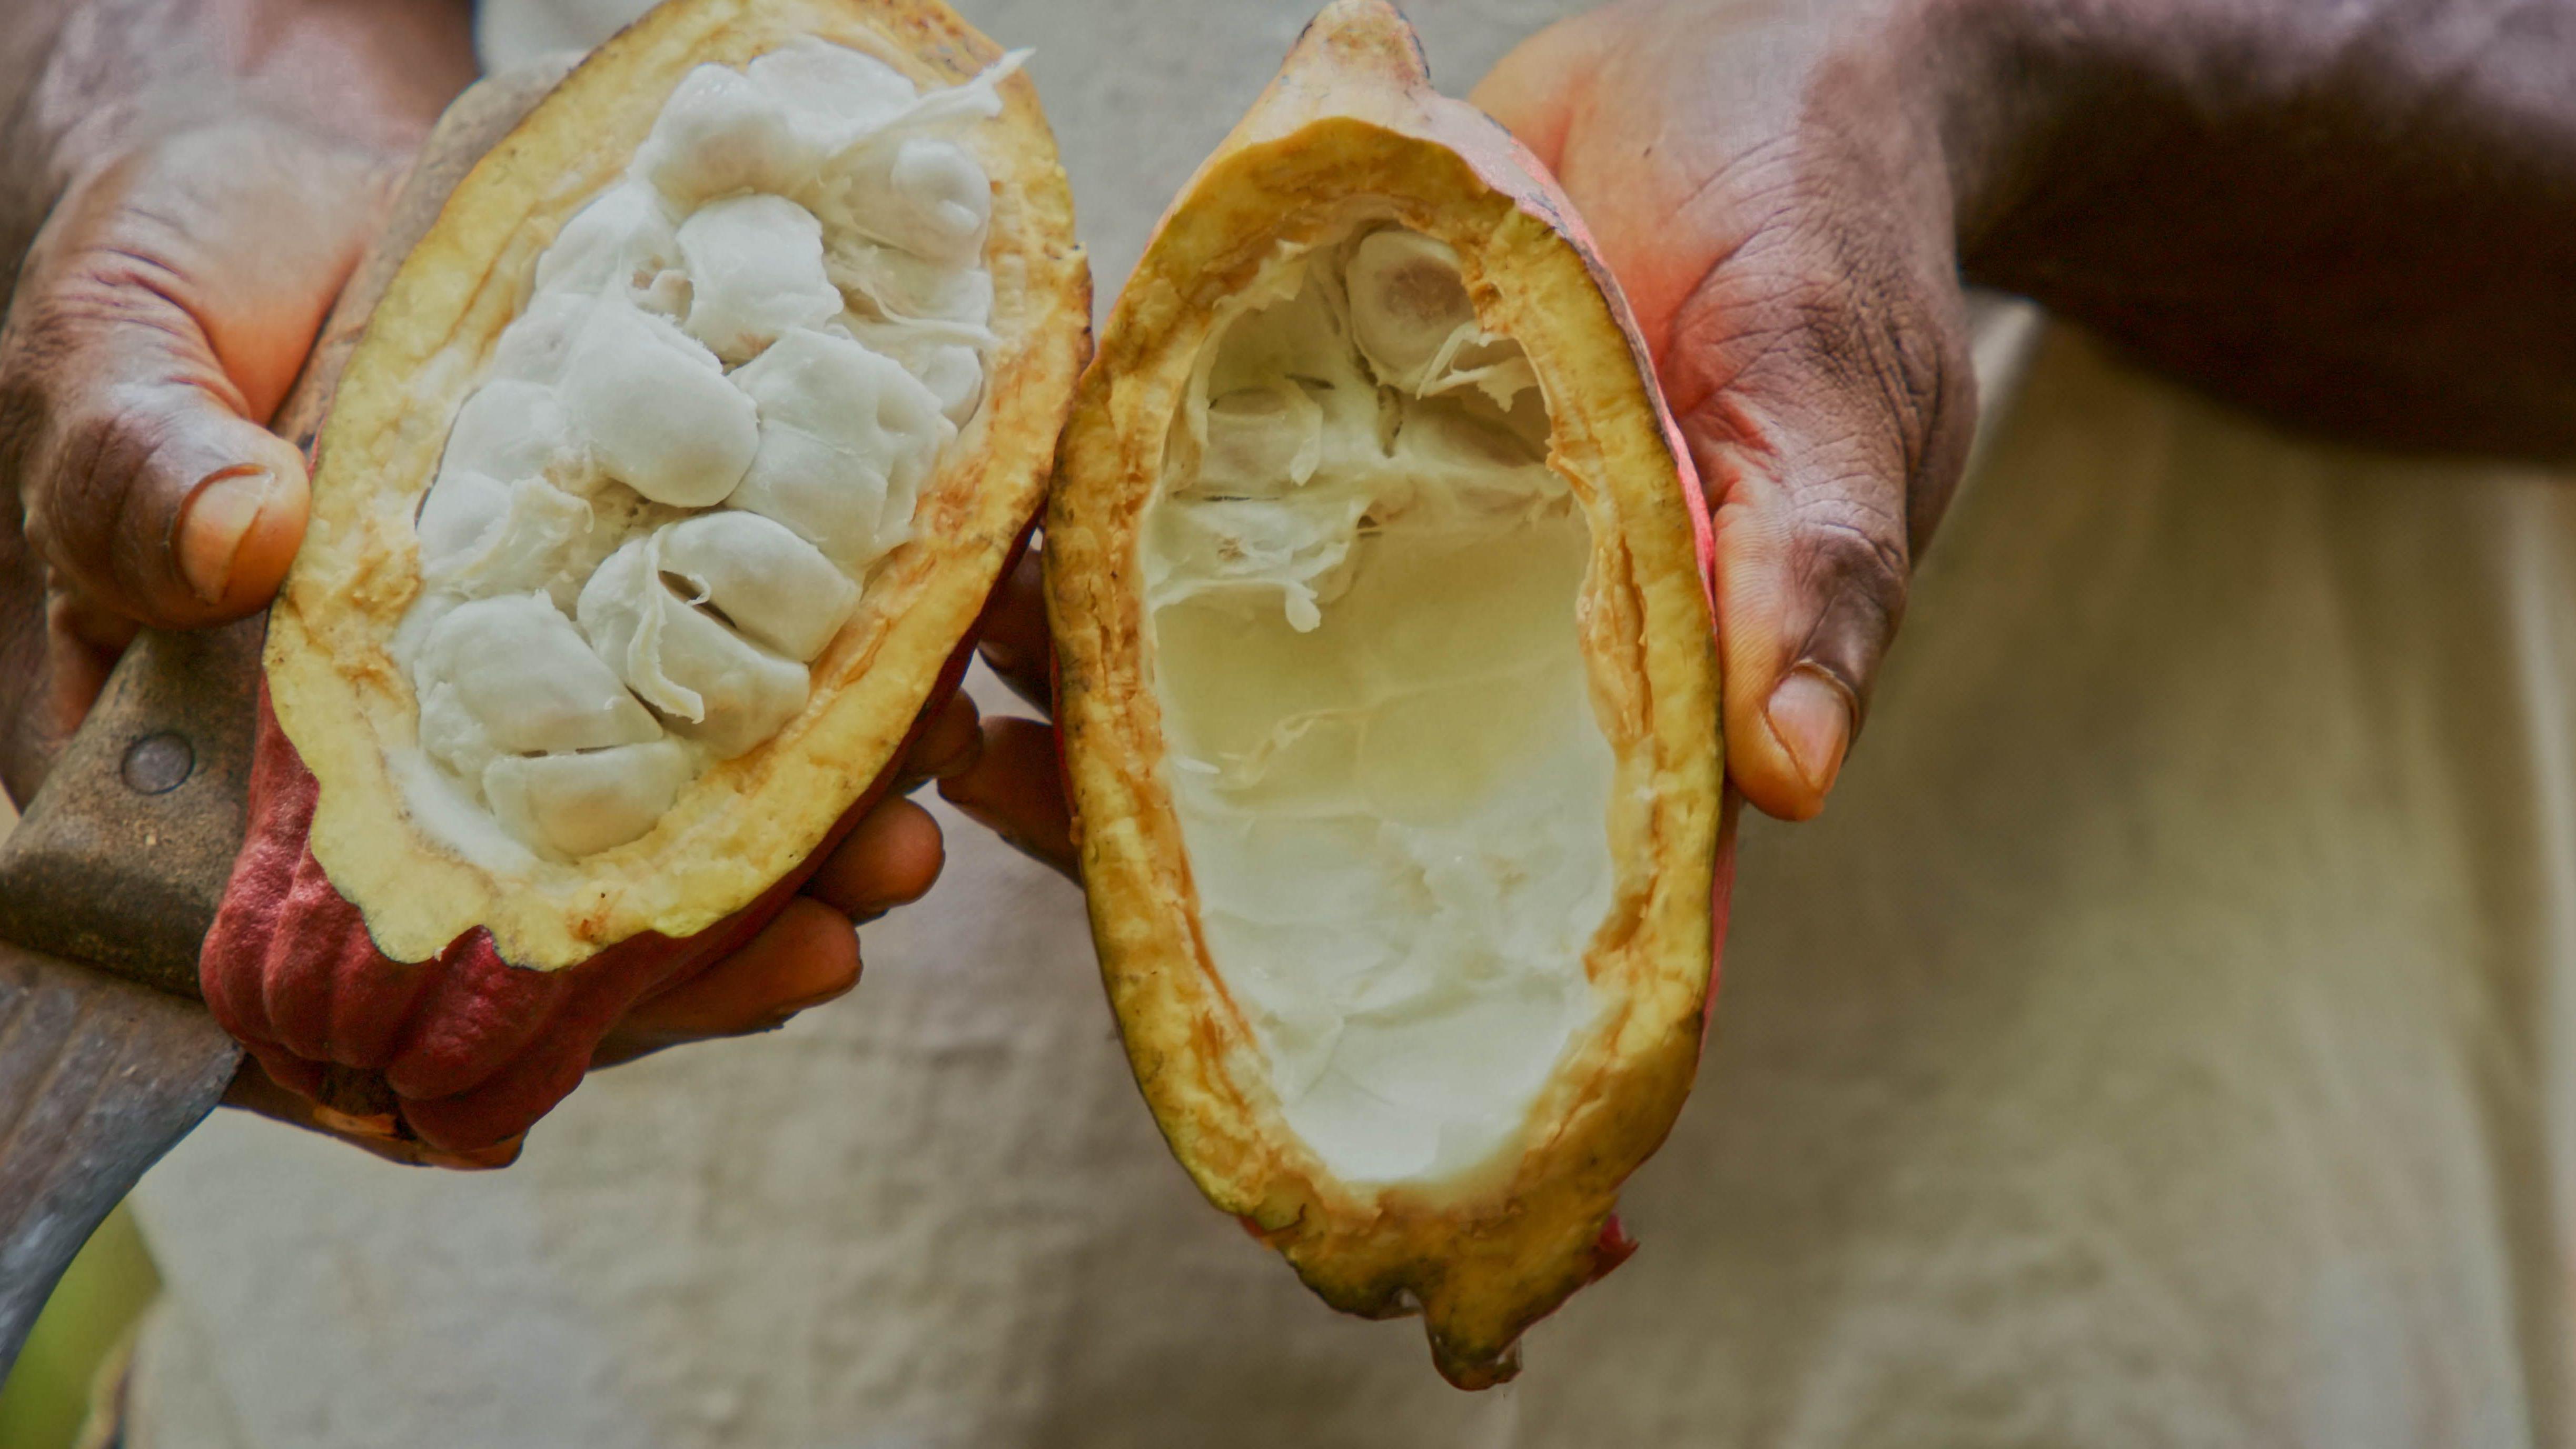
[[1361, 583], [713, 415]]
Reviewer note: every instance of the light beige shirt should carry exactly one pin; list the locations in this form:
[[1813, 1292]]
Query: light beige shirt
[[2164, 1039]]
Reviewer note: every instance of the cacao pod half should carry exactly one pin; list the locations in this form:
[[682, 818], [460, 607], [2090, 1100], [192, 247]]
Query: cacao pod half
[[659, 495], [1379, 579]]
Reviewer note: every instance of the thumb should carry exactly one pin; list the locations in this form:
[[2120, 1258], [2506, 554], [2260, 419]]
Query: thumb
[[1830, 423], [163, 312], [1797, 283], [158, 500]]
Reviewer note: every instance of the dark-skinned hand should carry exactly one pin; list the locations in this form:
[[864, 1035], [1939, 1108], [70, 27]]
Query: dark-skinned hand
[[192, 184]]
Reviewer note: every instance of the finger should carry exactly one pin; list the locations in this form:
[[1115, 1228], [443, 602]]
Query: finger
[[79, 646], [1536, 90], [254, 1090], [159, 321], [158, 501], [949, 742], [891, 859], [1829, 422], [1013, 631], [806, 956], [1016, 790]]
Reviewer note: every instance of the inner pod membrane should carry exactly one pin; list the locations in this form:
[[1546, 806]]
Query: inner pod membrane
[[1362, 592]]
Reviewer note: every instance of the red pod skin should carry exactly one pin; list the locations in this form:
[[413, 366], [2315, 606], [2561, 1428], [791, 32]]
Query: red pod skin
[[473, 1049]]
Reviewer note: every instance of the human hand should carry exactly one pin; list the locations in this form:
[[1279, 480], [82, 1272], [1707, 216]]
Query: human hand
[[1795, 278], [1767, 182], [1770, 184], [1014, 785], [191, 186], [2355, 219], [187, 245]]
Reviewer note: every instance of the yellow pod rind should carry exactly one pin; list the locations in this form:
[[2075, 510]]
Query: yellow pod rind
[[746, 822], [1352, 128]]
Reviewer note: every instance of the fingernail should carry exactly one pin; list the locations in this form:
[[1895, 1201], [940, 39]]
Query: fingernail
[[788, 1011], [353, 1124], [213, 523], [1811, 716], [823, 997], [481, 1159]]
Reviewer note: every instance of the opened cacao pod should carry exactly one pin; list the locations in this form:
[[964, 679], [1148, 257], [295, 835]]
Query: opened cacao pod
[[1379, 582], [672, 469]]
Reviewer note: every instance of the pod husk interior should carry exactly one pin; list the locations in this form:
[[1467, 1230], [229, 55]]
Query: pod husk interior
[[743, 824], [1352, 134]]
